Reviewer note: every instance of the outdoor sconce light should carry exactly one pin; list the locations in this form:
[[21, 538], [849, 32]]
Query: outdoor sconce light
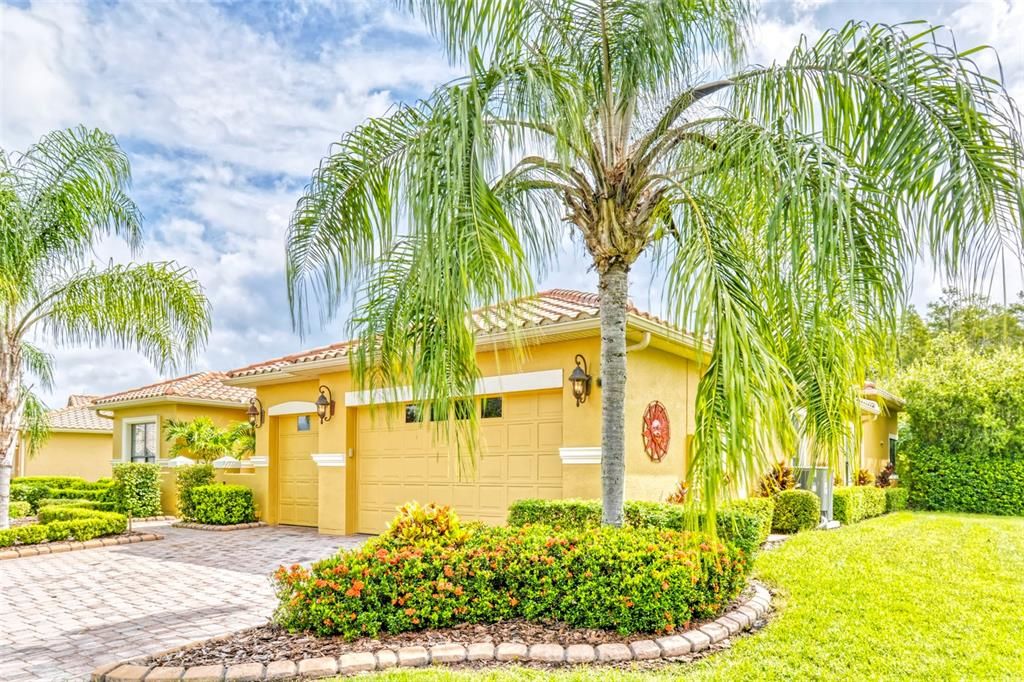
[[325, 405], [580, 380], [255, 413]]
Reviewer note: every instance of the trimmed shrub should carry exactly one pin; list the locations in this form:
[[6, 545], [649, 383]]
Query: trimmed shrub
[[30, 493], [223, 505], [35, 489], [65, 523], [796, 510], [896, 499], [623, 579], [188, 478], [56, 482], [19, 510], [763, 508], [741, 522], [92, 494], [856, 503], [83, 504], [136, 490]]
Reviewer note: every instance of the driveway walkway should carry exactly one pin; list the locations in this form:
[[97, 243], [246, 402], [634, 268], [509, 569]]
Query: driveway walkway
[[61, 615]]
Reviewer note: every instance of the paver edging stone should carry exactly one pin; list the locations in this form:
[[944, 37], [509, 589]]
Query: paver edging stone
[[209, 526], [73, 546], [644, 648]]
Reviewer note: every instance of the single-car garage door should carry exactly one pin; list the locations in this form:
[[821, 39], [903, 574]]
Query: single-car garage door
[[399, 462], [297, 474]]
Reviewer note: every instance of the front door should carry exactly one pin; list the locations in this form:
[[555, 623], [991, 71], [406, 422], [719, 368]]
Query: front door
[[297, 473]]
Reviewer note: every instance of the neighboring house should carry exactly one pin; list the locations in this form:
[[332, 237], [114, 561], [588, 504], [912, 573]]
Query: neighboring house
[[879, 426], [139, 414], [79, 444], [349, 473]]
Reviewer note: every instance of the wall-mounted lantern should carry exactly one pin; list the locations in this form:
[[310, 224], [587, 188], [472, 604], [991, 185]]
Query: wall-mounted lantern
[[255, 413], [325, 405], [580, 380]]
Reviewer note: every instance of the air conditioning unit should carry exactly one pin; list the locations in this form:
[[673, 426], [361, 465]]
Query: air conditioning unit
[[819, 481]]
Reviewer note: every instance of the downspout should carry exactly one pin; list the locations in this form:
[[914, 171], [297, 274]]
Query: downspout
[[641, 344]]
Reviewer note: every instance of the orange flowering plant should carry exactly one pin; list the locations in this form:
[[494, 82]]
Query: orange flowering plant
[[629, 580]]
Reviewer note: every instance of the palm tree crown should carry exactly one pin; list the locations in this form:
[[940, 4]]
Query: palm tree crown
[[783, 205], [57, 201]]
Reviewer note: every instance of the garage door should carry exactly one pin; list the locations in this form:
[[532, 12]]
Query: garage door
[[399, 462], [297, 474]]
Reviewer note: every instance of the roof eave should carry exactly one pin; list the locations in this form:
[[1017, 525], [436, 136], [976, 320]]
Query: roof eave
[[686, 344], [173, 399]]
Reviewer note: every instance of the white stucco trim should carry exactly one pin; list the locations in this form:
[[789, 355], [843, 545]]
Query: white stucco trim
[[226, 463], [502, 383], [126, 430], [329, 459], [591, 455], [292, 407], [175, 462], [259, 461]]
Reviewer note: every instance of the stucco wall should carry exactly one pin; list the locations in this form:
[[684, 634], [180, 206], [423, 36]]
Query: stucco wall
[[221, 416], [69, 454], [875, 441]]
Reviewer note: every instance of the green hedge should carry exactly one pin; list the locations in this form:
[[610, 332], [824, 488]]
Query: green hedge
[[65, 523], [963, 447], [72, 502], [223, 505], [896, 499], [745, 523], [623, 579], [945, 480], [36, 489], [187, 479], [796, 510], [856, 503], [136, 490], [19, 510]]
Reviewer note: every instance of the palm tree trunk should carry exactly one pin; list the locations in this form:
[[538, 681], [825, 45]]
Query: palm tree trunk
[[613, 289], [9, 418]]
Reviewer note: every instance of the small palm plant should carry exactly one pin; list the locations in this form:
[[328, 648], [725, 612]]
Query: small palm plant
[[198, 439], [783, 206], [57, 201], [241, 437]]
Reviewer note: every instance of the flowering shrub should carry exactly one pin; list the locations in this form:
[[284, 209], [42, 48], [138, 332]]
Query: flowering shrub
[[629, 580]]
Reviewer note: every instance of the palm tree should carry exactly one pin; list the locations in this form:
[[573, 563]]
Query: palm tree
[[198, 439], [241, 438], [57, 201], [782, 206]]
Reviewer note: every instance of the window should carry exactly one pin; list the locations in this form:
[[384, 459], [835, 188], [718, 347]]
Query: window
[[303, 423], [413, 414], [892, 450], [142, 440], [490, 408]]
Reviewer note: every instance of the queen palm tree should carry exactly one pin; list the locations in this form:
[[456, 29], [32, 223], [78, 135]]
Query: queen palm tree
[[781, 206], [57, 201], [199, 439]]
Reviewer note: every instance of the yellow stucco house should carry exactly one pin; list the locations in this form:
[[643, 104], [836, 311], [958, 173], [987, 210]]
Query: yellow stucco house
[[348, 471], [138, 415], [79, 444], [879, 425]]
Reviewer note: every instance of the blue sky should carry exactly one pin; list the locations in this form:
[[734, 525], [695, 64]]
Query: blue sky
[[226, 107]]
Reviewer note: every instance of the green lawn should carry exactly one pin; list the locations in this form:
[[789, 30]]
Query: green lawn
[[904, 596]]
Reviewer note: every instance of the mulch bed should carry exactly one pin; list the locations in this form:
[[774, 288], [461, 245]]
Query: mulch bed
[[268, 643]]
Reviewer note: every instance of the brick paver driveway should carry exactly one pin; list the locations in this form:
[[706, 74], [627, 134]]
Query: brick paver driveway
[[61, 615]]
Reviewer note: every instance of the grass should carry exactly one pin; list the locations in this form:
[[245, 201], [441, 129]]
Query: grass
[[904, 596]]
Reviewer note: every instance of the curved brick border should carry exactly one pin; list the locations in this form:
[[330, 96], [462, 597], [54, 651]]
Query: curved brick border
[[739, 619], [210, 526], [147, 519], [74, 546]]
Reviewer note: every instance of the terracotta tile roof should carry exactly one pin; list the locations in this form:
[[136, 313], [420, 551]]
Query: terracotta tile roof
[[79, 416], [199, 386], [546, 308]]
